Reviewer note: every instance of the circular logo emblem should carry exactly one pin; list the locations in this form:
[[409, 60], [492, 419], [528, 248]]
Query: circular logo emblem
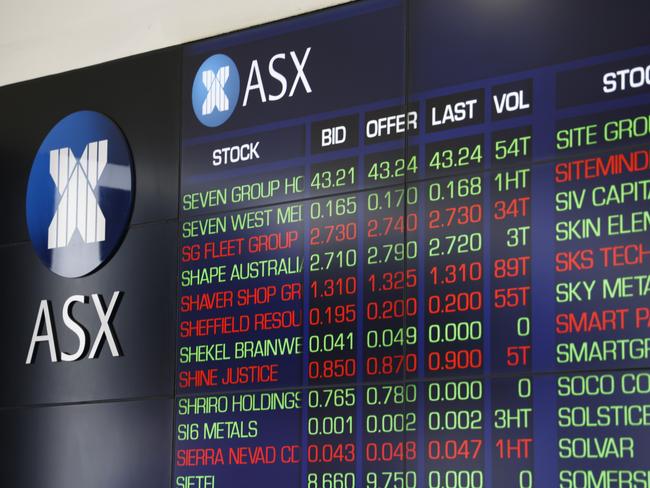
[[80, 194], [215, 91]]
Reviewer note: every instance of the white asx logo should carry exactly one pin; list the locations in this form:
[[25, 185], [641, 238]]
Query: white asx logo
[[79, 197], [215, 91], [216, 96], [76, 181]]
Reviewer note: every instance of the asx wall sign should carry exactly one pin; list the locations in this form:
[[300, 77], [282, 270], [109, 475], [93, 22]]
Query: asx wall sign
[[78, 206], [216, 87]]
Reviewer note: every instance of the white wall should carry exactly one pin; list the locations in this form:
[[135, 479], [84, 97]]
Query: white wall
[[41, 37]]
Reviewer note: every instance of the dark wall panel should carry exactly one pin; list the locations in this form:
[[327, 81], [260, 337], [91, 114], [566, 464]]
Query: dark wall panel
[[103, 445], [456, 42]]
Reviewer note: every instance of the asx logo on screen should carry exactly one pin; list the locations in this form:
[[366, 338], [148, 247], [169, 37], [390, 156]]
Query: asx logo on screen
[[216, 87]]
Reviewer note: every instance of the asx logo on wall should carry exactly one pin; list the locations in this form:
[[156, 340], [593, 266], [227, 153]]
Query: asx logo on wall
[[79, 202], [216, 87], [80, 194]]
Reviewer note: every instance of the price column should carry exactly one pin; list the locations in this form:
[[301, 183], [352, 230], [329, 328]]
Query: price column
[[387, 307], [453, 279], [452, 446], [453, 423], [333, 251], [390, 424], [333, 313], [331, 452]]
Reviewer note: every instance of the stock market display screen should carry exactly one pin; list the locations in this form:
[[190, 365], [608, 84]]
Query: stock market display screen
[[415, 250]]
